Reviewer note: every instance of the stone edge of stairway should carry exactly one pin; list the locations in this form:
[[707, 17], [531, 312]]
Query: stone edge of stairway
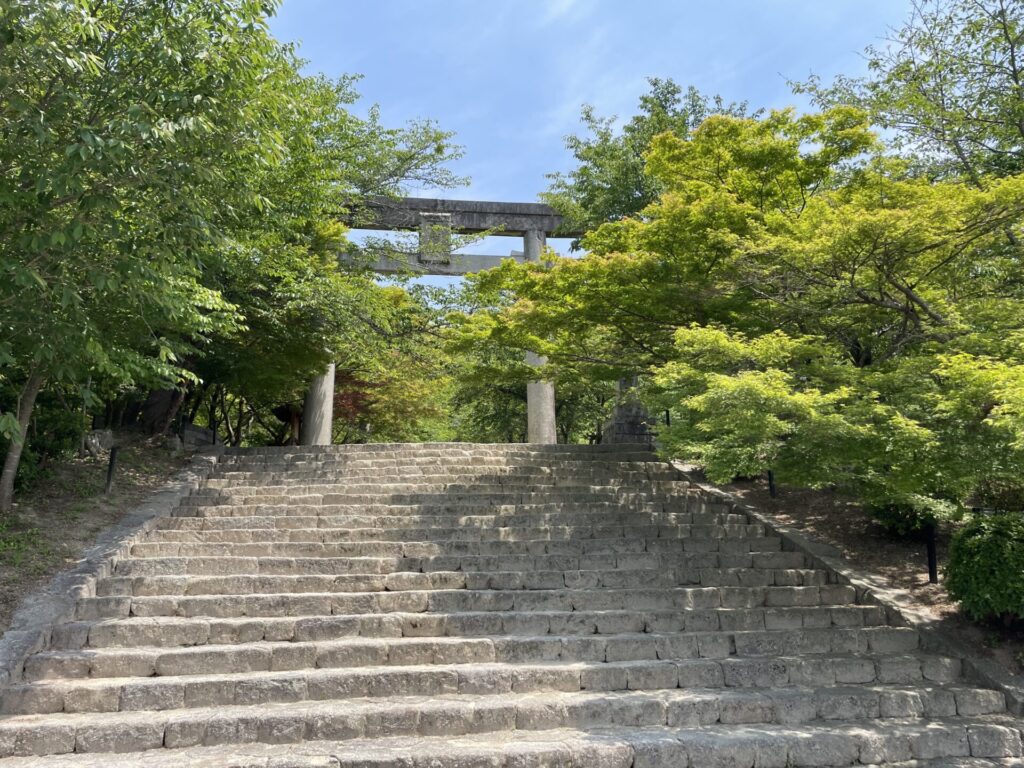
[[54, 602], [871, 589]]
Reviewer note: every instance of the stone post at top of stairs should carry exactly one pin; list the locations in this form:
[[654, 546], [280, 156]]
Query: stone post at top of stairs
[[540, 395], [318, 410]]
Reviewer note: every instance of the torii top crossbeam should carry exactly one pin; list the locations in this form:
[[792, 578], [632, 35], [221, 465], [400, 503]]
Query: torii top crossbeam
[[437, 219], [466, 216]]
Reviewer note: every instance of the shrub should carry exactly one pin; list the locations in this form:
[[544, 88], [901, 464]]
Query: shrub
[[1001, 493], [913, 513], [898, 519], [985, 572]]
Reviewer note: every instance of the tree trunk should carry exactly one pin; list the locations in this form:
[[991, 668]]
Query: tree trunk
[[172, 411], [225, 409], [26, 402]]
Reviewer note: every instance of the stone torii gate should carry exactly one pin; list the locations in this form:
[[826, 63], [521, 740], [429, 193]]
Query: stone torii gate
[[436, 220]]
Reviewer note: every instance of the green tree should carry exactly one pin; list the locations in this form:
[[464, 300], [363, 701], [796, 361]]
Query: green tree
[[302, 309], [949, 83], [801, 303], [122, 161], [168, 190], [609, 181]]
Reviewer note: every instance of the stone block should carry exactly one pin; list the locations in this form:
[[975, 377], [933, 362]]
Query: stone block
[[135, 736], [947, 741], [994, 741]]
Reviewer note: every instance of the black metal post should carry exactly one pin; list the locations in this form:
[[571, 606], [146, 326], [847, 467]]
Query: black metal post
[[933, 555], [771, 483], [110, 469]]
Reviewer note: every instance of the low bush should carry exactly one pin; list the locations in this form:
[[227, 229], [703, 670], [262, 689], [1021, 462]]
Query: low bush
[[985, 572]]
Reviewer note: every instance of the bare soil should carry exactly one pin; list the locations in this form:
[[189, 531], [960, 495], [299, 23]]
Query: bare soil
[[55, 521], [901, 561]]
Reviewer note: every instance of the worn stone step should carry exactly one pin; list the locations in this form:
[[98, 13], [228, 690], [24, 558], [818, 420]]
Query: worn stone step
[[435, 669], [596, 673], [293, 654], [671, 540], [456, 715], [511, 648], [437, 484], [438, 534], [447, 476], [719, 747], [449, 601], [410, 519], [295, 507], [181, 631], [498, 541], [692, 556], [484, 500], [731, 746], [499, 580], [459, 549]]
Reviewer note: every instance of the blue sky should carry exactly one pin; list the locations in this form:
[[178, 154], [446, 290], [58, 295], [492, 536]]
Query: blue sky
[[509, 76]]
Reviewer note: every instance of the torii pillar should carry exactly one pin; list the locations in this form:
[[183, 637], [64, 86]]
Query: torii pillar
[[318, 410], [540, 395]]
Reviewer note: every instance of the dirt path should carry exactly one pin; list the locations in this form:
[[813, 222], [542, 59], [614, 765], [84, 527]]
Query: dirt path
[[54, 522]]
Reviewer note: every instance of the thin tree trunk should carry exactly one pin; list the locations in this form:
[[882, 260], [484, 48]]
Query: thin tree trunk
[[200, 395], [211, 418], [172, 412], [26, 402], [241, 421], [229, 429]]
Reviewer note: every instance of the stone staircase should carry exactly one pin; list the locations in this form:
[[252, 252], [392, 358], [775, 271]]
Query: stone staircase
[[463, 605]]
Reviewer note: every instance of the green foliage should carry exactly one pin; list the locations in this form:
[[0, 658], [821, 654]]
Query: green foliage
[[985, 572], [17, 541], [609, 181], [490, 372], [168, 202], [802, 304], [1005, 494], [948, 83]]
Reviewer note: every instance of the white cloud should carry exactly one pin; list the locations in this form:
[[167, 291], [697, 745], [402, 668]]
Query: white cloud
[[556, 10]]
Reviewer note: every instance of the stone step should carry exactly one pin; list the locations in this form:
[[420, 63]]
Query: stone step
[[491, 466], [370, 482], [467, 500], [734, 557], [472, 455], [427, 449], [326, 483], [180, 631], [881, 687], [499, 580], [543, 477], [458, 715], [731, 671], [356, 651], [397, 548], [386, 545], [493, 563], [421, 535], [449, 601], [514, 648], [729, 746], [444, 508], [410, 519]]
